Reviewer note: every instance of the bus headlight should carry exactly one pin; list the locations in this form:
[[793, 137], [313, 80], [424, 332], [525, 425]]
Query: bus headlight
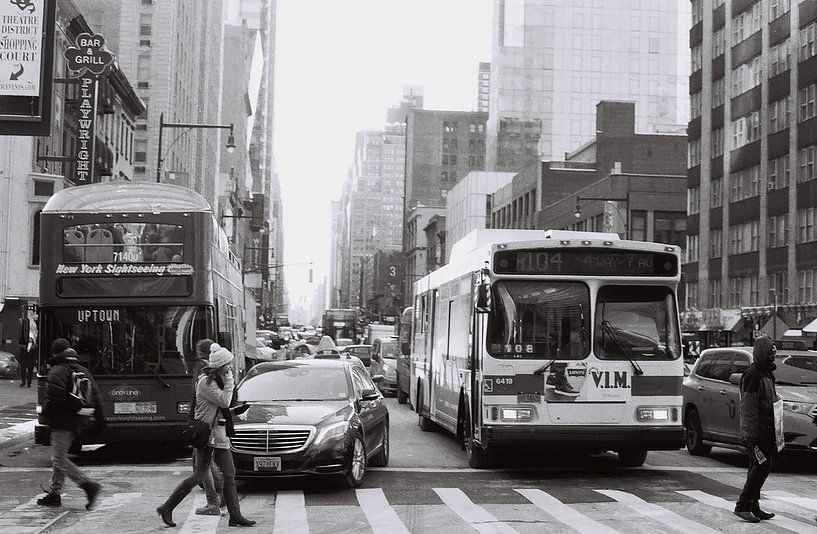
[[517, 414], [183, 407], [656, 413], [804, 408]]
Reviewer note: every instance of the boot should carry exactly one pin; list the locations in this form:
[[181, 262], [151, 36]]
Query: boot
[[231, 498], [746, 515], [240, 521], [760, 514], [167, 515], [208, 510], [50, 499], [92, 490]]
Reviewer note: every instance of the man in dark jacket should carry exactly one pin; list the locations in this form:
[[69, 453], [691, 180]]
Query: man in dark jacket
[[66, 422], [28, 359], [757, 399]]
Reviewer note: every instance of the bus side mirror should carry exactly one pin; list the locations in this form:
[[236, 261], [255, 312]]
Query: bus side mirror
[[483, 304]]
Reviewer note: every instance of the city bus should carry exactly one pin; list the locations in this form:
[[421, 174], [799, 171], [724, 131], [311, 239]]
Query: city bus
[[534, 340], [133, 275], [341, 323]]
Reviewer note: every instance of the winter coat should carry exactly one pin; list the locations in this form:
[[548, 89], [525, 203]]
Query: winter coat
[[58, 412], [210, 398], [758, 395]]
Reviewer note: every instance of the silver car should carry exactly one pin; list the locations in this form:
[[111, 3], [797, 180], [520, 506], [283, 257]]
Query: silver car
[[712, 398]]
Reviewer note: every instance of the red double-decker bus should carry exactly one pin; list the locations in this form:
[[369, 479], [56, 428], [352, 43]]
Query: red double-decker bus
[[133, 275]]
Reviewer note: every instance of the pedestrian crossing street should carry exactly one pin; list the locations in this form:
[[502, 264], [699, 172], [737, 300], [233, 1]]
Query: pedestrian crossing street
[[368, 510]]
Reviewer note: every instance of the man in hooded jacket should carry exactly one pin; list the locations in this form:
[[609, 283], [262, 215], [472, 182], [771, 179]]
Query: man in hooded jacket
[[757, 399], [66, 423]]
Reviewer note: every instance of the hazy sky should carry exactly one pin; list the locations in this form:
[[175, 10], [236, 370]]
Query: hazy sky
[[339, 66]]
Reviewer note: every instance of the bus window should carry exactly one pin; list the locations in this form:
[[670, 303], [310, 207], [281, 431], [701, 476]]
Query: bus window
[[637, 323], [123, 243], [539, 320]]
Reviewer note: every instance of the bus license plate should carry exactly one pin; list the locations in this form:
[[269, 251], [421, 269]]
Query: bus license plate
[[535, 398], [134, 407], [267, 463]]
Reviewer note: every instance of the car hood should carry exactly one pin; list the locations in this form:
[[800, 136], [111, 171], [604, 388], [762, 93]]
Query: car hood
[[292, 413], [797, 393]]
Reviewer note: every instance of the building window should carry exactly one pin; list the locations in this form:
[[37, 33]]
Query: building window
[[746, 23], [778, 8], [140, 151], [805, 225], [805, 161], [35, 235], [746, 129], [805, 286], [693, 200], [694, 152], [638, 225], [716, 243], [695, 105], [718, 93], [779, 58], [691, 295], [697, 57], [449, 126], [808, 44], [697, 11], [807, 98], [778, 173], [778, 287], [746, 76], [717, 142], [778, 231], [718, 43], [743, 237], [692, 248], [716, 198], [779, 115], [715, 293], [670, 227], [744, 184], [145, 23]]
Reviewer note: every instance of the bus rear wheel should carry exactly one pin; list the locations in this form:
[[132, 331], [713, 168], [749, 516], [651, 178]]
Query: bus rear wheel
[[426, 424], [632, 457]]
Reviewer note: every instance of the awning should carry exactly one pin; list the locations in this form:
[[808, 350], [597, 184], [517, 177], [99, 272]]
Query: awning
[[774, 327], [810, 328], [793, 333], [731, 323]]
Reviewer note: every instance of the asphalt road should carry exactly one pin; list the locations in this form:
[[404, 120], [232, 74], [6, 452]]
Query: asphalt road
[[427, 488]]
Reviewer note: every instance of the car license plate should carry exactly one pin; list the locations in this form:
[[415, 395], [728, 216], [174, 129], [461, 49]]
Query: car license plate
[[535, 398], [134, 407], [267, 463]]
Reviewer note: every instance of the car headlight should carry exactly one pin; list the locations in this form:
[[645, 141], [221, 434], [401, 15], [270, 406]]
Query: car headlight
[[331, 431], [805, 408]]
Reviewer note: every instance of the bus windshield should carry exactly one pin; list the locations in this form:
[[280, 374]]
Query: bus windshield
[[131, 340], [636, 323], [539, 320]]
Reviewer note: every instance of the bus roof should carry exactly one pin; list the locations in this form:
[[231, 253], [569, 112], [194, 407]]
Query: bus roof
[[145, 197], [483, 236]]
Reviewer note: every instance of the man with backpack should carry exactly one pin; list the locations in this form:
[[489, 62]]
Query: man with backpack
[[72, 405]]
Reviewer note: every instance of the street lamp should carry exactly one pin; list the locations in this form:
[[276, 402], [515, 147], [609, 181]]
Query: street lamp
[[577, 211], [162, 125]]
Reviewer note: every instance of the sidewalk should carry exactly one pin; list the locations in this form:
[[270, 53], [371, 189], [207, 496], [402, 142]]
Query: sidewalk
[[17, 424]]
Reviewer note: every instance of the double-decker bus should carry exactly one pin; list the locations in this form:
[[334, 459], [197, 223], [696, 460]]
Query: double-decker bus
[[133, 275], [534, 340], [339, 323]]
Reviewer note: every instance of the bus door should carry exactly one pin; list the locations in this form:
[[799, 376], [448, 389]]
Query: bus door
[[479, 314], [428, 396]]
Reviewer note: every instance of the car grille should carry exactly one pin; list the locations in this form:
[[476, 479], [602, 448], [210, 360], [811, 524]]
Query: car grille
[[271, 438]]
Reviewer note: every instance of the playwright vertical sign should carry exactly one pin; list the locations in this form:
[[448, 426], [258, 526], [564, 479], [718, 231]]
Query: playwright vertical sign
[[21, 38]]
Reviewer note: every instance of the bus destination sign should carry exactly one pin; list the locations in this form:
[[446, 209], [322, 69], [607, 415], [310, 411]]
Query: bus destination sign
[[119, 269], [595, 262]]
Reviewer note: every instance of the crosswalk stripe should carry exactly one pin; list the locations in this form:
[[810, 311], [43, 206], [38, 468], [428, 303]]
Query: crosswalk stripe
[[658, 513], [805, 502], [35, 518], [564, 513], [290, 513], [719, 502], [478, 517], [199, 524], [381, 516]]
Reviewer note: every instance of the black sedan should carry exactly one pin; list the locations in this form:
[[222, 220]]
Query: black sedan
[[310, 417]]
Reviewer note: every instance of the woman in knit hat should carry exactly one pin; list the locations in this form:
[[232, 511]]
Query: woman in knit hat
[[214, 393]]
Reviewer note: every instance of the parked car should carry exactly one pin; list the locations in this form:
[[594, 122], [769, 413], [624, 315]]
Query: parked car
[[712, 398], [384, 362], [264, 352], [310, 417], [364, 352], [9, 366]]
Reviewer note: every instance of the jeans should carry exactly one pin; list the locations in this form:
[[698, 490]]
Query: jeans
[[26, 371], [224, 460], [61, 441], [756, 476], [213, 482]]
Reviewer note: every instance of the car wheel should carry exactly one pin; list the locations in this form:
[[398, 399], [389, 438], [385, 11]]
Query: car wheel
[[694, 434], [381, 459], [356, 464], [632, 457]]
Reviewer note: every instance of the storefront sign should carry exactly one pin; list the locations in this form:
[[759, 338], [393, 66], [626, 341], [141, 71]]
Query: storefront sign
[[22, 23]]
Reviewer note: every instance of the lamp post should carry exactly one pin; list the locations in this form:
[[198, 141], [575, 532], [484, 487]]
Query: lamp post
[[162, 125], [577, 212]]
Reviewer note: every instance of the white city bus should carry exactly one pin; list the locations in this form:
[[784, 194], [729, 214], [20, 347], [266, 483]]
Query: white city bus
[[530, 340]]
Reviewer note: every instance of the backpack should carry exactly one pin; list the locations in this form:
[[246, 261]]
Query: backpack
[[80, 398]]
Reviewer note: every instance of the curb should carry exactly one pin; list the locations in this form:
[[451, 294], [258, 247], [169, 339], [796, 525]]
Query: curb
[[17, 434]]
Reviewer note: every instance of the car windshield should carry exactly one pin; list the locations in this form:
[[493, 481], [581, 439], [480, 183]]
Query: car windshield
[[539, 320], [797, 369], [132, 340], [636, 323], [295, 383]]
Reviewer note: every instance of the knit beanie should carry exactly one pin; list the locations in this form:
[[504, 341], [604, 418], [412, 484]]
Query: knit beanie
[[59, 345], [219, 356]]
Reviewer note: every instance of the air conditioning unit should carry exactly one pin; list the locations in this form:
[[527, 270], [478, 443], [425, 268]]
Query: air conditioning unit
[[770, 185]]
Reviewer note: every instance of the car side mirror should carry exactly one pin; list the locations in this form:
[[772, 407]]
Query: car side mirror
[[369, 395], [734, 378], [378, 379]]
